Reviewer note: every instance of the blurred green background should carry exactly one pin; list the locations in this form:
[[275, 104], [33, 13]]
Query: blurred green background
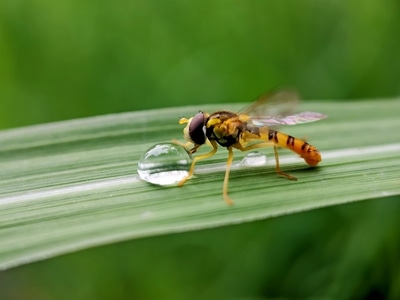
[[74, 58], [71, 59]]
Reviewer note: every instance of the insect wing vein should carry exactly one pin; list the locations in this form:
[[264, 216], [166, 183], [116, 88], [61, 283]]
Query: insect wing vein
[[300, 118]]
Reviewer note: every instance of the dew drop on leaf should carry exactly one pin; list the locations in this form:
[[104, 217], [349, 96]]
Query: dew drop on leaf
[[254, 159], [164, 164]]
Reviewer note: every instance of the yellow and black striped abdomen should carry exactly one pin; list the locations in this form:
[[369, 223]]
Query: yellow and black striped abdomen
[[308, 152]]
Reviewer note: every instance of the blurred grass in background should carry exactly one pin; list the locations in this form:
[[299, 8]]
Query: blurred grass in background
[[70, 59]]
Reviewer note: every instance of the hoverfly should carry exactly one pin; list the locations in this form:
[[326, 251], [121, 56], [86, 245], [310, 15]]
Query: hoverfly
[[250, 129]]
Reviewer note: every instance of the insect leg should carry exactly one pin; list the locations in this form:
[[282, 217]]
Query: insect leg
[[184, 145], [254, 146], [196, 159], [227, 199], [268, 144], [278, 169]]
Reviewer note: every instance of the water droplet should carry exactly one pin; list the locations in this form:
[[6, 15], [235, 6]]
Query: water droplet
[[254, 159], [164, 164], [146, 214]]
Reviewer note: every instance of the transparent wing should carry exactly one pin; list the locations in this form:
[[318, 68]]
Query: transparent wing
[[303, 117], [277, 108], [276, 103]]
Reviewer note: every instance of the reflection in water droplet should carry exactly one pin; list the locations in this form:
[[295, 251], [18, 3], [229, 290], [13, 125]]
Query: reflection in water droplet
[[164, 164], [254, 159]]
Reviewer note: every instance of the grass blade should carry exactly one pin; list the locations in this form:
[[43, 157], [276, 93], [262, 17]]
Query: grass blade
[[72, 185]]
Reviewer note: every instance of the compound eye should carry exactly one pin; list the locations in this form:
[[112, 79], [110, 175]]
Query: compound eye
[[197, 129]]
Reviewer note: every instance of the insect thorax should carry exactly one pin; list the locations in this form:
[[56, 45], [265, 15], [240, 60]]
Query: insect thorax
[[224, 127]]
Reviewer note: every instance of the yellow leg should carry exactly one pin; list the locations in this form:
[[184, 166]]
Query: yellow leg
[[268, 144], [278, 169], [196, 159], [227, 199], [254, 146], [184, 145]]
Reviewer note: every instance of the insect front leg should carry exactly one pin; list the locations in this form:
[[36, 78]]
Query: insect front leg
[[213, 144], [184, 145]]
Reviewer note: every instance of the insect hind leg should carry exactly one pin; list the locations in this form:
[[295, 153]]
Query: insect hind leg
[[268, 144], [277, 167]]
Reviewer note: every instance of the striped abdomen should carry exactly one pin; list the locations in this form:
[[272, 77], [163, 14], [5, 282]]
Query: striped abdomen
[[308, 152]]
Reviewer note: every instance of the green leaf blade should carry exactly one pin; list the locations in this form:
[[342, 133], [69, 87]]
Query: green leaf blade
[[72, 185]]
